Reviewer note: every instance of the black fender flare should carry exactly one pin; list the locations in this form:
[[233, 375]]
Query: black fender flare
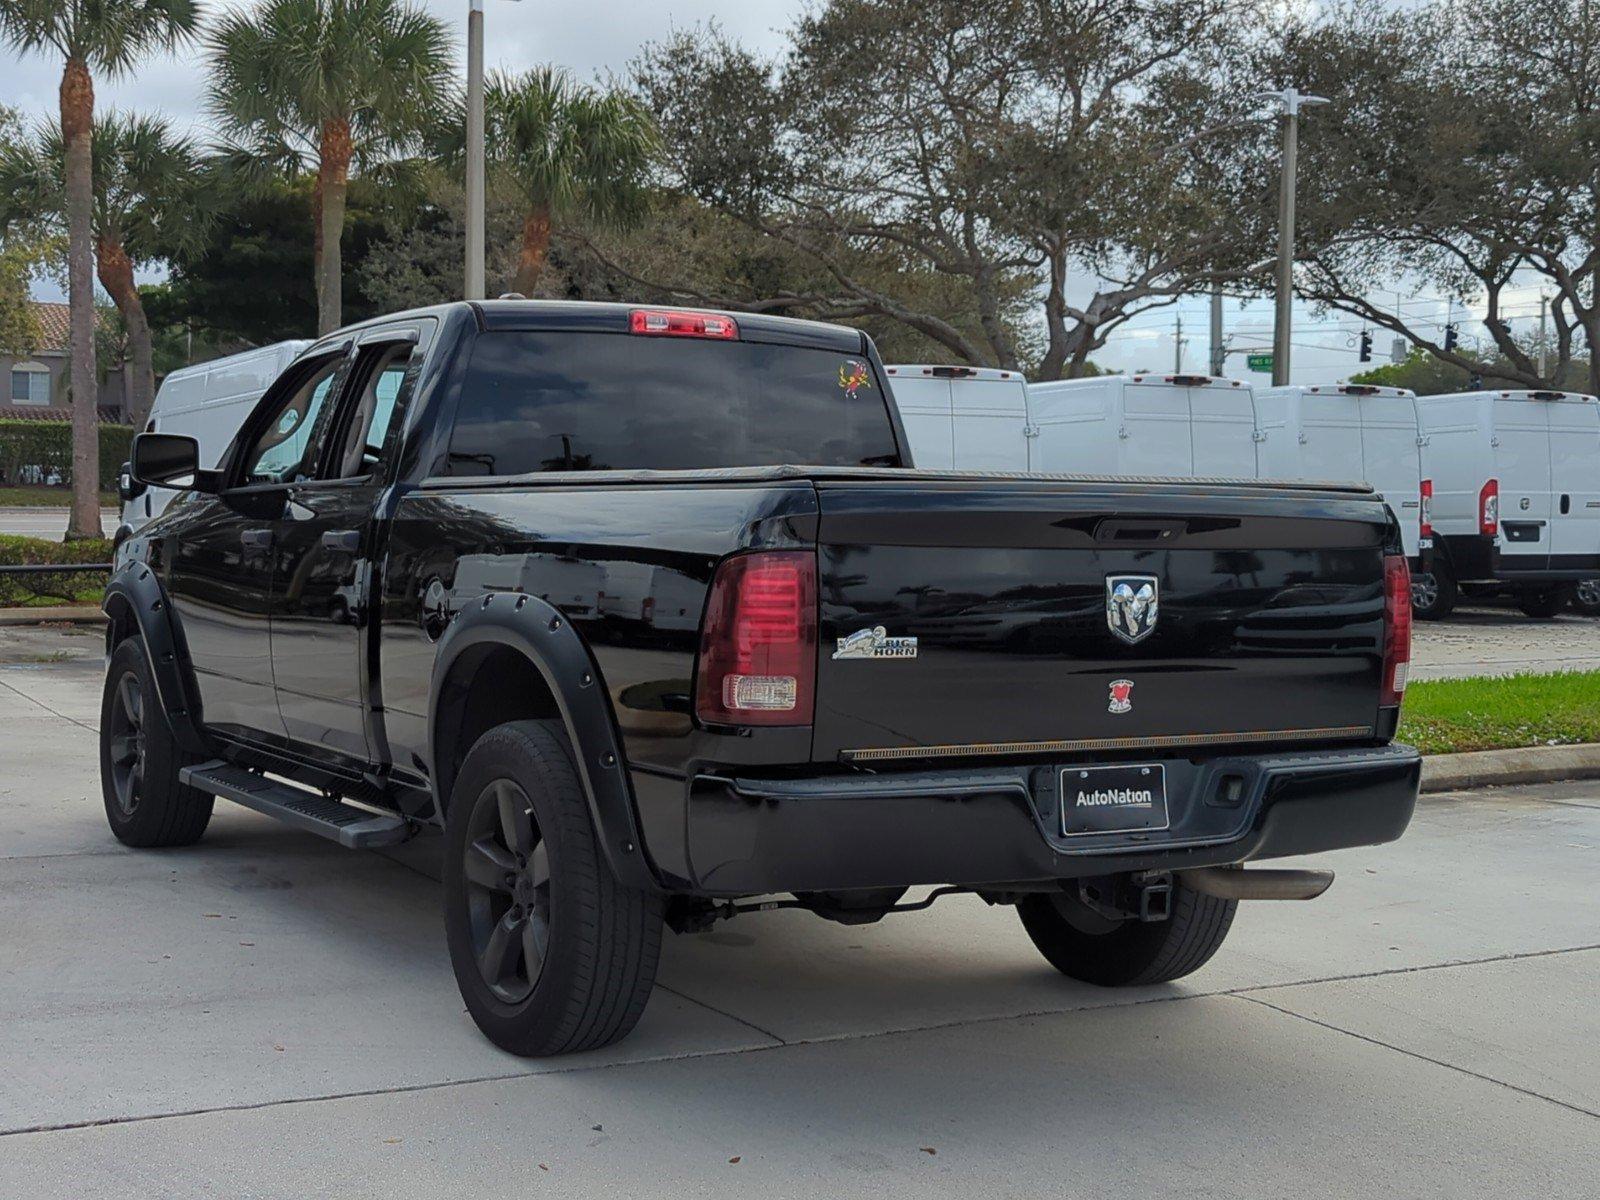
[[541, 634], [134, 595]]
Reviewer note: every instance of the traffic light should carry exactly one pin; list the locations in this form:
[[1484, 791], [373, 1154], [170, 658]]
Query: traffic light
[[1450, 336], [1366, 346]]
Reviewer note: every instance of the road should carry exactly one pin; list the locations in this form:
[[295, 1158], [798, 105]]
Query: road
[[47, 522], [267, 1015]]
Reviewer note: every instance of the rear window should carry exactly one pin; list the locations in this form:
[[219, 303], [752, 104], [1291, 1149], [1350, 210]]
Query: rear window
[[595, 402]]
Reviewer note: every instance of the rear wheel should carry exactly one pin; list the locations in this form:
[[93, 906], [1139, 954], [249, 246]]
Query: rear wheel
[[140, 760], [1433, 594], [1542, 605], [1586, 597], [551, 953], [1082, 944]]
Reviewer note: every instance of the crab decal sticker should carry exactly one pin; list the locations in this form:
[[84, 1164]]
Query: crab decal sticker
[[853, 376], [1132, 606], [875, 643], [1121, 696]]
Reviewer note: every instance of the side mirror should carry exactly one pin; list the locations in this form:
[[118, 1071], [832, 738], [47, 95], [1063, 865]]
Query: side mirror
[[171, 460], [127, 489]]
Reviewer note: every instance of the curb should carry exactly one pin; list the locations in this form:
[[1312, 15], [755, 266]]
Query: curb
[[76, 614], [1498, 768]]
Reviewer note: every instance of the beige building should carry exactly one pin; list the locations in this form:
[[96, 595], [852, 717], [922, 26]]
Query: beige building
[[36, 386]]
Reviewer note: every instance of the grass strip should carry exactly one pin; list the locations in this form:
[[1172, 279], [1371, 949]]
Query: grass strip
[[1447, 716]]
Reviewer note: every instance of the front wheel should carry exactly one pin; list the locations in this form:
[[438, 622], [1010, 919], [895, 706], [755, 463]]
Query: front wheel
[[140, 760], [1082, 944], [551, 953], [1543, 605]]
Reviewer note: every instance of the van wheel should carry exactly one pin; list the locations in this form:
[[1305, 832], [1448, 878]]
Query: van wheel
[[1082, 944], [140, 760], [551, 953], [1433, 594], [1543, 605], [1586, 597]]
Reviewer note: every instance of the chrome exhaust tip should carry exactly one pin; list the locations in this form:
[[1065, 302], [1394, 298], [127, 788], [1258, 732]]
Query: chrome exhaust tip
[[1236, 883]]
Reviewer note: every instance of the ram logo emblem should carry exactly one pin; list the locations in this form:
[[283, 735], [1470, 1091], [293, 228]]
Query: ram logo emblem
[[1132, 606]]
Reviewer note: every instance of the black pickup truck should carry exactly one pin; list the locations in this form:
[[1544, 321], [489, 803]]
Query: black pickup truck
[[547, 577]]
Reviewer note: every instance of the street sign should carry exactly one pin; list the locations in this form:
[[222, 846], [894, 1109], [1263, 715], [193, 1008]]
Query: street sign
[[1260, 362]]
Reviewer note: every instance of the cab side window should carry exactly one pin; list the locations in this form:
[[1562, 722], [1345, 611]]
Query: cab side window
[[382, 373], [287, 450]]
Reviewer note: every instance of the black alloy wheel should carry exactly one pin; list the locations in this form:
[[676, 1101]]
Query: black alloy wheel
[[126, 733], [506, 865]]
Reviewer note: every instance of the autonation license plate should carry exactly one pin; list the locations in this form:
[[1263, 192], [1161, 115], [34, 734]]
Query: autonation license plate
[[1113, 799]]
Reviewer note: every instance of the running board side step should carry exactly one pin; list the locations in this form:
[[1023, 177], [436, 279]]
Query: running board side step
[[353, 828]]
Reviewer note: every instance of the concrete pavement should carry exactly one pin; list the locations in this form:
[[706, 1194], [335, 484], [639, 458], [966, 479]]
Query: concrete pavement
[[267, 1015], [47, 522]]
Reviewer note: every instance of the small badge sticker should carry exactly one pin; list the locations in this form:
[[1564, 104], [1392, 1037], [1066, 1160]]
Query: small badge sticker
[[853, 376], [1121, 696], [875, 643]]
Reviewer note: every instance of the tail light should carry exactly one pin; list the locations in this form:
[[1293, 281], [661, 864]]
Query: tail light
[[758, 647], [1425, 519], [1489, 508], [674, 323], [1396, 630]]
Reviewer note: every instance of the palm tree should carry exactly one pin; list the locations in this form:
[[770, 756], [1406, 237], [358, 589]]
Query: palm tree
[[327, 85], [146, 180], [89, 35], [566, 151]]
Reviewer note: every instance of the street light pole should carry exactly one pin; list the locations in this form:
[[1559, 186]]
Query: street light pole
[[472, 287], [1219, 353], [1292, 102]]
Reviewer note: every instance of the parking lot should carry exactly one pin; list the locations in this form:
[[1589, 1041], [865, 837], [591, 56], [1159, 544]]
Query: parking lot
[[268, 1015]]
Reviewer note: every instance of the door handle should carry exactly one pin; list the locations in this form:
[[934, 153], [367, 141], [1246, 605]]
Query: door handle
[[347, 540], [256, 539]]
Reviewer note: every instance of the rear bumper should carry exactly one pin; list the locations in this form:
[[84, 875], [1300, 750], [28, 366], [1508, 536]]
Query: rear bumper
[[1476, 558], [757, 836]]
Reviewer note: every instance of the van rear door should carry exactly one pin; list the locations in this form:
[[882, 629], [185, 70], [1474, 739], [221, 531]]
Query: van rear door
[[1222, 428], [1574, 483], [1156, 429], [925, 413], [990, 415], [1522, 464], [1392, 457]]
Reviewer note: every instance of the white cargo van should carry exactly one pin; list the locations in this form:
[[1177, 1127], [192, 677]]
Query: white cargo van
[[980, 419], [1516, 492], [208, 401], [1178, 425], [1356, 431], [966, 418]]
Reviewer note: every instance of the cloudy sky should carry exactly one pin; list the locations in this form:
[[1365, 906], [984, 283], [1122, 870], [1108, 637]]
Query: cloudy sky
[[599, 38]]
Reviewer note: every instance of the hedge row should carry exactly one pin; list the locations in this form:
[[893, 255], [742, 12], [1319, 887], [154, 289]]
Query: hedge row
[[47, 446], [45, 587]]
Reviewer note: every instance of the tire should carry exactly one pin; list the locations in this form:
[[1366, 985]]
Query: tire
[[1434, 595], [146, 806], [1541, 606], [1083, 945], [1586, 598], [542, 890]]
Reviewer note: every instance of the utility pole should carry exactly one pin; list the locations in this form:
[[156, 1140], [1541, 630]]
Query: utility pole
[[472, 285], [1544, 309], [1177, 348], [1292, 101], [1219, 353]]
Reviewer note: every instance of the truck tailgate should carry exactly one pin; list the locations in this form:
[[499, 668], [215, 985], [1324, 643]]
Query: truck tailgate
[[1267, 605]]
